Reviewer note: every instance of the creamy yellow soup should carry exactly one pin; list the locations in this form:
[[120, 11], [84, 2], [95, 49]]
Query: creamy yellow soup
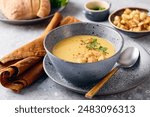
[[83, 49]]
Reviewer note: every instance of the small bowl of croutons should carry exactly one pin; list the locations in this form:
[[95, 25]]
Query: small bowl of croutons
[[132, 21]]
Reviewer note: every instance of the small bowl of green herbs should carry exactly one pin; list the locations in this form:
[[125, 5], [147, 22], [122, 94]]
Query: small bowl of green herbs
[[97, 10]]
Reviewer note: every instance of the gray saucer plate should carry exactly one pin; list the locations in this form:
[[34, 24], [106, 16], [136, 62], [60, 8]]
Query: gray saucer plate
[[31, 21], [123, 80]]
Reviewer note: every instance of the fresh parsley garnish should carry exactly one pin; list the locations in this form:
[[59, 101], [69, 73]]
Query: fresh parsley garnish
[[96, 46], [104, 49], [98, 8]]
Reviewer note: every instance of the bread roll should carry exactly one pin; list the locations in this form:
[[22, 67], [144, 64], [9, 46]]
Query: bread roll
[[25, 9], [45, 8]]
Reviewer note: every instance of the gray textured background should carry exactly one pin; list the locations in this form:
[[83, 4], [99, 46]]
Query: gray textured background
[[11, 37]]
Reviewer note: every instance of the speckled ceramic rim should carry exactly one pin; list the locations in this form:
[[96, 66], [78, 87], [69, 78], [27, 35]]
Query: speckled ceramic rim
[[110, 21], [87, 9], [120, 37], [82, 91]]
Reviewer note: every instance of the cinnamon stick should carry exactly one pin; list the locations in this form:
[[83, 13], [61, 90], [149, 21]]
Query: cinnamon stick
[[25, 58], [18, 68], [26, 79], [53, 24], [27, 69], [34, 48], [69, 20]]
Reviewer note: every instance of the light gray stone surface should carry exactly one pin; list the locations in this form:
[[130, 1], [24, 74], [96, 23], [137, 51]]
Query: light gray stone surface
[[12, 36]]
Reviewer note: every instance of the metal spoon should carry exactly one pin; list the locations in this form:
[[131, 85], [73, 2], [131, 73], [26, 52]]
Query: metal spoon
[[127, 59]]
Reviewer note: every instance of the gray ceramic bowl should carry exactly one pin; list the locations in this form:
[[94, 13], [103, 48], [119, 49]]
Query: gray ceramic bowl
[[97, 15], [83, 74], [127, 32]]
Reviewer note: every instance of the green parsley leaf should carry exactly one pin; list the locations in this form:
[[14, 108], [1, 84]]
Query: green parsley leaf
[[96, 46], [58, 3]]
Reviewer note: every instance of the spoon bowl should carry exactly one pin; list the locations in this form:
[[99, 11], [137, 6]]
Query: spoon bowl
[[127, 59]]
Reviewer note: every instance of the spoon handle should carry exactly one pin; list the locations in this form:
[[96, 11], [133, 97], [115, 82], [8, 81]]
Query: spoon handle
[[100, 84]]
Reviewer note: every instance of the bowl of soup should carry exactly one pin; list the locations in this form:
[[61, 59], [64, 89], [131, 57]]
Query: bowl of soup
[[83, 53]]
